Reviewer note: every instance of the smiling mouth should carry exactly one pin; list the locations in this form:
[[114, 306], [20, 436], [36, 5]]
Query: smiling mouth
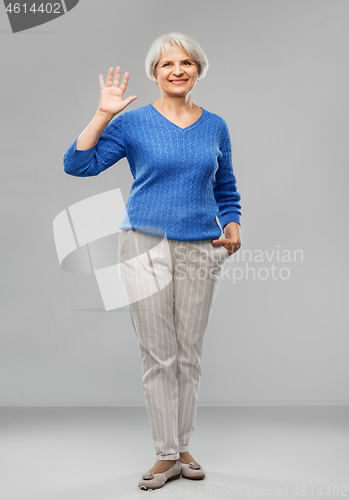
[[177, 82]]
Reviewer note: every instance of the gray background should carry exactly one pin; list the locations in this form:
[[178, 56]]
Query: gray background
[[279, 76]]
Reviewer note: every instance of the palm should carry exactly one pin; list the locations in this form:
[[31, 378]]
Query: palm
[[112, 94], [111, 100]]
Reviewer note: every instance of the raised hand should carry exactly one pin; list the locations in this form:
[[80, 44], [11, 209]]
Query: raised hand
[[111, 98]]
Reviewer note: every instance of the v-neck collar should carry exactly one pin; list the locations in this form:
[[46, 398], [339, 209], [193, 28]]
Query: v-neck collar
[[199, 120]]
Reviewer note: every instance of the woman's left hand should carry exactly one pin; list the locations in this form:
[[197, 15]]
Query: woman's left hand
[[232, 240]]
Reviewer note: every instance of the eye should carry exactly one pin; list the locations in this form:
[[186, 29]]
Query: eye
[[187, 62]]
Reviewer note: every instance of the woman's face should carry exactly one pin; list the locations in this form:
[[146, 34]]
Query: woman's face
[[176, 73]]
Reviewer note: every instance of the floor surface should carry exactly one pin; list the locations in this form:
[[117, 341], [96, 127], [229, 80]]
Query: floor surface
[[100, 453]]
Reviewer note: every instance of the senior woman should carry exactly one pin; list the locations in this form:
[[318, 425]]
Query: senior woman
[[184, 192]]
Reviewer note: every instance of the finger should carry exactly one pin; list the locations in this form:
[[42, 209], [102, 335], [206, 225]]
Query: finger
[[101, 82], [235, 248], [220, 242], [110, 77], [130, 99], [124, 82], [117, 76]]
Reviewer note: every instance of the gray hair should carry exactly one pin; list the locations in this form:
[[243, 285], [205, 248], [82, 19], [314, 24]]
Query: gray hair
[[164, 42]]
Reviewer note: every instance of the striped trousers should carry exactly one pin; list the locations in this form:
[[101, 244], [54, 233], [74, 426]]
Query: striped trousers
[[170, 286]]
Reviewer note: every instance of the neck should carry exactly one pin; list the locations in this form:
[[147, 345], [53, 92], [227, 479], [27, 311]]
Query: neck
[[175, 105]]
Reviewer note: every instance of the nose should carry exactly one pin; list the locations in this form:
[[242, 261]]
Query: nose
[[177, 71]]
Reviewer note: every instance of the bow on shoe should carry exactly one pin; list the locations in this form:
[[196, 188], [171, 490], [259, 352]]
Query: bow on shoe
[[194, 465], [148, 475]]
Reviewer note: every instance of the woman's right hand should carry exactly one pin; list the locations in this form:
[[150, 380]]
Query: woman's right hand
[[111, 98]]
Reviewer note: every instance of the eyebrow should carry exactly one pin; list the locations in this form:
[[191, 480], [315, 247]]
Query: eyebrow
[[169, 60]]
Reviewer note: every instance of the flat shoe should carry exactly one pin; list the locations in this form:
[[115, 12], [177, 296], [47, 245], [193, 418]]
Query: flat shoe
[[152, 481], [193, 470]]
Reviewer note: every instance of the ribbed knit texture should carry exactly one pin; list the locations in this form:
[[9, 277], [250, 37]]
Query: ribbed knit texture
[[183, 177]]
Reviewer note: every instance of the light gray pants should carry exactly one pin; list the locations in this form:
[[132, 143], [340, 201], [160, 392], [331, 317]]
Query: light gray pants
[[170, 286]]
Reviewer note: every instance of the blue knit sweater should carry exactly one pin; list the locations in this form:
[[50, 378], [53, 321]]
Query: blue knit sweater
[[183, 177]]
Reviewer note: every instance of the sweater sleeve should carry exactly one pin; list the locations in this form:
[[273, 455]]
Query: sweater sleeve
[[110, 148], [225, 190]]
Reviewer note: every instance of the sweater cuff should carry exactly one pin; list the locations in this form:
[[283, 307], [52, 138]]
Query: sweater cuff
[[76, 161], [83, 155], [232, 217]]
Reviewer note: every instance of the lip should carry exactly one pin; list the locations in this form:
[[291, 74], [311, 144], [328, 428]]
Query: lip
[[179, 81]]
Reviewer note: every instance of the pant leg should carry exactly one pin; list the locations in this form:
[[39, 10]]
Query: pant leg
[[197, 266], [152, 319]]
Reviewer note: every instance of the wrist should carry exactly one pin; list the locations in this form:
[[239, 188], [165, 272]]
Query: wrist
[[103, 116], [231, 229]]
